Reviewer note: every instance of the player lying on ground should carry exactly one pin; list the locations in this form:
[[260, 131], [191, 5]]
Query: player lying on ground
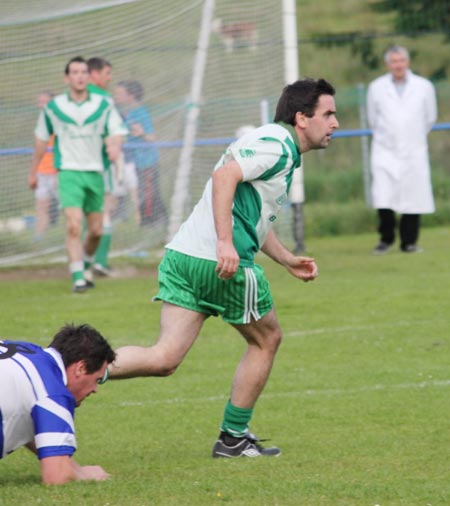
[[40, 389]]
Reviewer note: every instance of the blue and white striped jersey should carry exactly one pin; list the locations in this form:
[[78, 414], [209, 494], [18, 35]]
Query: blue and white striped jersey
[[35, 404]]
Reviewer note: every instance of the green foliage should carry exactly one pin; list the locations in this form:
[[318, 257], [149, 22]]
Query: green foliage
[[382, 21], [355, 399], [417, 15]]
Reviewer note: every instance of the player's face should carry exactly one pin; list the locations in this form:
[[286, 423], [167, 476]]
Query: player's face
[[102, 77], [78, 76], [397, 65], [82, 384], [320, 127], [121, 96]]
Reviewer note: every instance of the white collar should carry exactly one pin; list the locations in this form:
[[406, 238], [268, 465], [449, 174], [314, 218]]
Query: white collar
[[59, 361]]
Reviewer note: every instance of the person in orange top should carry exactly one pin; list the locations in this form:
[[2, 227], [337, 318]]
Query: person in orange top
[[46, 192]]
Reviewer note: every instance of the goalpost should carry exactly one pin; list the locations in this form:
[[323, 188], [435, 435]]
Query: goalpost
[[207, 67]]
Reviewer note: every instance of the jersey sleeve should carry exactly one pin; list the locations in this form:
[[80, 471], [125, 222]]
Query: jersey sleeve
[[53, 419], [44, 128], [261, 158], [115, 123]]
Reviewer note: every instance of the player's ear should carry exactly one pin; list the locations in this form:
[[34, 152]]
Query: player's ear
[[80, 368], [301, 119]]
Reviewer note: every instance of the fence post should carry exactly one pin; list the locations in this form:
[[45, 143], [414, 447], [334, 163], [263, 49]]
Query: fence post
[[364, 142]]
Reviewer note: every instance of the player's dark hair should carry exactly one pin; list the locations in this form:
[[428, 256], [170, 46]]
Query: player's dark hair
[[134, 88], [75, 59], [301, 96], [97, 63], [82, 342]]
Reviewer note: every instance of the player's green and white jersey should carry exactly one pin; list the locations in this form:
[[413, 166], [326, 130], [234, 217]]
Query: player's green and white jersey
[[80, 130], [93, 88], [267, 157]]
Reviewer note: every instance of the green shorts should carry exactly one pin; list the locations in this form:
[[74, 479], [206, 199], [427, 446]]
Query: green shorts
[[82, 189], [193, 283]]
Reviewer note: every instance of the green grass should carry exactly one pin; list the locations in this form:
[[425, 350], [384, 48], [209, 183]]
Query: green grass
[[357, 398]]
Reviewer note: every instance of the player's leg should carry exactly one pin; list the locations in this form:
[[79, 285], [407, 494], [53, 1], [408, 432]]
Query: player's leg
[[101, 254], [74, 218], [263, 338], [42, 196], [94, 227], [42, 217], [262, 332], [179, 327]]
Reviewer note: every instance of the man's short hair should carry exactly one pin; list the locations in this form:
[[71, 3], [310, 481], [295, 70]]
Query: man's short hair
[[97, 63], [301, 96], [82, 342], [395, 49], [134, 88], [75, 59]]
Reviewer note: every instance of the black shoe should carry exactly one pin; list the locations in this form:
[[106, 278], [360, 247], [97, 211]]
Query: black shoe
[[228, 446], [79, 286], [412, 248], [101, 270], [381, 248]]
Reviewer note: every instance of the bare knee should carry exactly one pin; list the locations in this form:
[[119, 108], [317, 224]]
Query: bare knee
[[73, 230], [274, 340]]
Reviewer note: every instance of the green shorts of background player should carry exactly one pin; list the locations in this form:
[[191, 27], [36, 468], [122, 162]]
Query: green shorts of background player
[[81, 194]]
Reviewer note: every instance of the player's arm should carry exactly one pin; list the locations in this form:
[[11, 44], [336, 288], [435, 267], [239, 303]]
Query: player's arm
[[113, 145], [40, 147], [224, 181], [304, 268], [62, 469]]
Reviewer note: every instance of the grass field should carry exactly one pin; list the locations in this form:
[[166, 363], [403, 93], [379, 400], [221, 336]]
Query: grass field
[[357, 400]]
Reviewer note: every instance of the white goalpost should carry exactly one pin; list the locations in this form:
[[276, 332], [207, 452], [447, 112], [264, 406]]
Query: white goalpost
[[207, 67]]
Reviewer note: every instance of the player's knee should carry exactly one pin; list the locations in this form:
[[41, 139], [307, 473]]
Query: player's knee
[[276, 338], [73, 230]]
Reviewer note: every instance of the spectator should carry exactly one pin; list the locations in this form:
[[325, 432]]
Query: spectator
[[401, 110], [141, 150], [39, 393], [79, 150]]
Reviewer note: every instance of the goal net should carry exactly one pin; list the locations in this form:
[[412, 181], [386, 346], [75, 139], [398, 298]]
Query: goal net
[[206, 68]]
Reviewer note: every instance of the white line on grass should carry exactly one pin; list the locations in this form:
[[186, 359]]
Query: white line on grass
[[352, 328], [334, 392]]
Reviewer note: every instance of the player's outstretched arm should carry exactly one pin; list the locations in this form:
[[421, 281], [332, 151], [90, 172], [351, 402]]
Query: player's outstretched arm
[[62, 469], [304, 268]]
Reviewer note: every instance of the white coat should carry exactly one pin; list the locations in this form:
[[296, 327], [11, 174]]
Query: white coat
[[400, 123]]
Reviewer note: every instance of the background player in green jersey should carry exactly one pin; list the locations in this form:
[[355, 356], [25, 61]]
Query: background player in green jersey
[[100, 75], [209, 268], [80, 121]]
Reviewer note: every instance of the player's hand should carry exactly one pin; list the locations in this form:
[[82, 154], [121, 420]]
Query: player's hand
[[96, 473], [32, 181], [304, 268], [136, 130], [227, 260]]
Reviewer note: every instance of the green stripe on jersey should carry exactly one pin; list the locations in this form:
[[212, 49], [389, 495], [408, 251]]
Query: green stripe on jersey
[[281, 163], [96, 114], [59, 114], [246, 213]]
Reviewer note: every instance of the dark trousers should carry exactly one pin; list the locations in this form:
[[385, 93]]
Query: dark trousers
[[151, 205], [408, 229]]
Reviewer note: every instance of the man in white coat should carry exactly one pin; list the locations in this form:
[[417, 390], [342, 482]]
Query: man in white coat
[[401, 109]]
